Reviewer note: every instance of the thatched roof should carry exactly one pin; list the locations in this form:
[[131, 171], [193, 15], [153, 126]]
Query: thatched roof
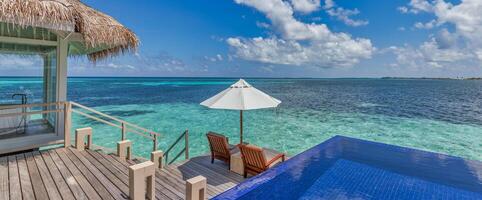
[[102, 35]]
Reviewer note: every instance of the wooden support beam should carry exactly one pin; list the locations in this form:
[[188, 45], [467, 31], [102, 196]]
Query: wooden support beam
[[16, 40]]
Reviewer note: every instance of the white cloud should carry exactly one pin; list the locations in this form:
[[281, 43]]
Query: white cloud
[[262, 24], [429, 25], [463, 46], [298, 43], [12, 61], [344, 16], [305, 6], [289, 52], [216, 58], [329, 4], [432, 53], [403, 9], [416, 6]]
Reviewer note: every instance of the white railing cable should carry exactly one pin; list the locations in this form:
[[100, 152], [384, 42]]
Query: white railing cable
[[115, 119]]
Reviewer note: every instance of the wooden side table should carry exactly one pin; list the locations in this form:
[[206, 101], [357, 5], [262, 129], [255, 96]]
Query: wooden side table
[[236, 163]]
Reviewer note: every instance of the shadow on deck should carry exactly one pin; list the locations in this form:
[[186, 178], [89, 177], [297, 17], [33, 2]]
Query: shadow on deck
[[71, 174]]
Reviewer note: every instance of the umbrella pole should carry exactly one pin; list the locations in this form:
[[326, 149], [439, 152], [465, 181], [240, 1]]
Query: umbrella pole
[[240, 127]]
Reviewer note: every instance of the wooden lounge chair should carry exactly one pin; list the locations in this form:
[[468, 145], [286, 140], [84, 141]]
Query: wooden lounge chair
[[220, 147], [257, 160]]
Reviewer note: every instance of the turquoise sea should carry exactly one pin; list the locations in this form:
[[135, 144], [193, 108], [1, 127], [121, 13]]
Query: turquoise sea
[[435, 115]]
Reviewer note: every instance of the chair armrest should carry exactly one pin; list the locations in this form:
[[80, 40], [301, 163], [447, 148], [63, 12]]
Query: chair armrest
[[282, 156]]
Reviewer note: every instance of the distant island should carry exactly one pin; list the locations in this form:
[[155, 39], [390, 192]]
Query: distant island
[[432, 78]]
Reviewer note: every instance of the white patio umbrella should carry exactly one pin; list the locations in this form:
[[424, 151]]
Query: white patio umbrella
[[241, 96]]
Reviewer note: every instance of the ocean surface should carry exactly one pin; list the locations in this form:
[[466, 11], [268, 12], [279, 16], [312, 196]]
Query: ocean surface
[[435, 115]]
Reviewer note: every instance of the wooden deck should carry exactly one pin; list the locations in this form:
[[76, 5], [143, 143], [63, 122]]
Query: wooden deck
[[70, 174]]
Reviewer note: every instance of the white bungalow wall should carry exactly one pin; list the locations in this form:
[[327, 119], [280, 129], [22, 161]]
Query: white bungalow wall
[[62, 48]]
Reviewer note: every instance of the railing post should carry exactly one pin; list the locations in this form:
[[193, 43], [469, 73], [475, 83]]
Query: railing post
[[80, 135], [124, 130], [124, 149], [67, 123], [186, 138], [196, 188], [139, 175], [154, 148], [156, 158], [166, 157]]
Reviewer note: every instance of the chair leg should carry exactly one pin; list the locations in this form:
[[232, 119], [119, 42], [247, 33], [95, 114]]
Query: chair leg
[[245, 174]]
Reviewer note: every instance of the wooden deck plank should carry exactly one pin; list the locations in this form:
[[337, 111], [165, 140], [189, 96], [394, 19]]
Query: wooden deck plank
[[118, 179], [4, 187], [111, 187], [166, 184], [110, 180], [170, 185], [81, 179], [219, 167], [71, 174], [124, 171], [222, 182], [186, 173], [67, 175], [161, 186], [36, 180], [63, 187], [89, 174], [217, 182], [25, 182], [47, 179], [14, 179]]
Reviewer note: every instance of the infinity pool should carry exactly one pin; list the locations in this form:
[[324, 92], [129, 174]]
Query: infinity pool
[[348, 168]]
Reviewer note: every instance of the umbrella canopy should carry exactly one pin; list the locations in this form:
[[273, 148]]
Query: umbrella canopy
[[241, 96]]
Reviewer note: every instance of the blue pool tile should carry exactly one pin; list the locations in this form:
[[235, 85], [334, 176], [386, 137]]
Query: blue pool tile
[[348, 168], [351, 180]]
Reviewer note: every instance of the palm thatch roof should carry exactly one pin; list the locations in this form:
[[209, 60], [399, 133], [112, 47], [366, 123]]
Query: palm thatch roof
[[102, 36]]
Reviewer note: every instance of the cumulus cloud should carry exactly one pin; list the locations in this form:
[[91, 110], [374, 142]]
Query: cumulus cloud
[[416, 6], [298, 43], [216, 58], [344, 16], [305, 6], [448, 48], [11, 61], [129, 65], [329, 4], [428, 54], [429, 25]]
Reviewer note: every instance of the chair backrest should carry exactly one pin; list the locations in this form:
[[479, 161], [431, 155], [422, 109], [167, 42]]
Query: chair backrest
[[253, 157], [218, 144]]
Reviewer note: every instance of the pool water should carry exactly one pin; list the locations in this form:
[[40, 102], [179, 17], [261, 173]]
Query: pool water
[[347, 168], [351, 180]]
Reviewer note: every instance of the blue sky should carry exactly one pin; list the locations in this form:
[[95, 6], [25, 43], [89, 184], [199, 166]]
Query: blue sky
[[295, 38]]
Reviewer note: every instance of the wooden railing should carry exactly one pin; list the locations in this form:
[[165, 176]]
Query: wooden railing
[[23, 113], [184, 150], [67, 108], [10, 111], [125, 127]]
